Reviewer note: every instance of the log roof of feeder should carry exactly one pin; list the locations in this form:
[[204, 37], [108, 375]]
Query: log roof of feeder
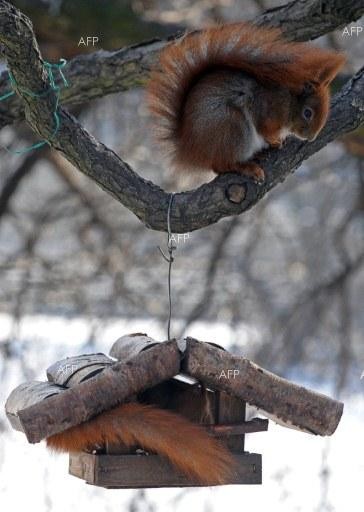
[[81, 387]]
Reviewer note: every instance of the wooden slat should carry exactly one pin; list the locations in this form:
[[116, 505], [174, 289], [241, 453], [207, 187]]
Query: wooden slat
[[104, 391], [192, 401], [248, 427], [195, 403], [73, 370], [143, 471], [82, 465], [231, 410], [306, 409]]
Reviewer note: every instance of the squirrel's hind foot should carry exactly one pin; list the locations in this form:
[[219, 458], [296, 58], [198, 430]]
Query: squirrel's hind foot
[[250, 170]]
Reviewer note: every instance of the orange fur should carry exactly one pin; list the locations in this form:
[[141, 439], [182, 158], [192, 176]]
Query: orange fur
[[185, 444], [262, 54]]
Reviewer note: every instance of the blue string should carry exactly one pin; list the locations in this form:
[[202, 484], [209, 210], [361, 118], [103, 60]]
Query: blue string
[[50, 68]]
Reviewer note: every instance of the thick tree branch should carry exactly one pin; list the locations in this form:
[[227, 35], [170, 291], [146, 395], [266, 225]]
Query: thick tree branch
[[98, 74], [191, 210], [301, 21]]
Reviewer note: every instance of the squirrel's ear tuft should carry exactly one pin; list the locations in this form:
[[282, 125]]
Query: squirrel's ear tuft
[[330, 68], [309, 88]]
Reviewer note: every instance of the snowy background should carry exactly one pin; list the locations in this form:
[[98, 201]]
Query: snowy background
[[300, 472], [282, 284]]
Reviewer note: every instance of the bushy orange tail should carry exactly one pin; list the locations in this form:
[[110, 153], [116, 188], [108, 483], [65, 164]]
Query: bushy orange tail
[[259, 51], [185, 444]]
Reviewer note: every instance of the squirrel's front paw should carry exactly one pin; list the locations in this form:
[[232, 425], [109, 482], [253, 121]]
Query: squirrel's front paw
[[253, 171]]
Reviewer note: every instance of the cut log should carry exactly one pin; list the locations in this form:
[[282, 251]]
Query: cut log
[[102, 392], [293, 404], [130, 345], [28, 394], [73, 370]]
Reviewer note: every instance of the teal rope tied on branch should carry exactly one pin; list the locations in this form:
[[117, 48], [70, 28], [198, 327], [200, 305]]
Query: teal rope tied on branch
[[51, 69]]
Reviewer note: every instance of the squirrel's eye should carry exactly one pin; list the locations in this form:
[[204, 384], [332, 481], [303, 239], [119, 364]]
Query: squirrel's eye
[[307, 113]]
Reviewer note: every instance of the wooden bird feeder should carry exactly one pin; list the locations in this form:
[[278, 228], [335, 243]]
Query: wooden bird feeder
[[200, 381]]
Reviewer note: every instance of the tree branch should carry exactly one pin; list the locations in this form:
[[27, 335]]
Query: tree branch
[[302, 21], [191, 210], [12, 184], [98, 74]]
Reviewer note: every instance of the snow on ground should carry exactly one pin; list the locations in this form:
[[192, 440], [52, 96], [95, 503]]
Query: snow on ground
[[293, 479]]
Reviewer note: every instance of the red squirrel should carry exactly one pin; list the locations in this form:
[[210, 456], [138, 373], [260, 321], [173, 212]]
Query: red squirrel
[[185, 444], [223, 94]]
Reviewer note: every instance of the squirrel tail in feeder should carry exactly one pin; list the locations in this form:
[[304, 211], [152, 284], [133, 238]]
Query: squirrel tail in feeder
[[185, 444]]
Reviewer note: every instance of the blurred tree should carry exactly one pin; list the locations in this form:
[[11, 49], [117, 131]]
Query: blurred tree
[[60, 25]]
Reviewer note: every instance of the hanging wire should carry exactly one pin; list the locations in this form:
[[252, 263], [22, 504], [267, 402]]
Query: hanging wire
[[169, 260]]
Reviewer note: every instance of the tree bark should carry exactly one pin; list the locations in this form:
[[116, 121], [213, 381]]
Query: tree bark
[[98, 74], [91, 397], [285, 401], [193, 209]]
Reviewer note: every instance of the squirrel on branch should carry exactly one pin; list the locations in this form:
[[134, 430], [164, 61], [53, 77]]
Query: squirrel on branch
[[185, 444], [223, 94]]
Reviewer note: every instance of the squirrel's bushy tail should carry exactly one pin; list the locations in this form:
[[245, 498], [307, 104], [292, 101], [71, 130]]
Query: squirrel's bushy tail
[[258, 51], [192, 450]]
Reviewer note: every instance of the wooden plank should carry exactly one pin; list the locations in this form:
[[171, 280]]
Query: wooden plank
[[131, 345], [248, 427], [305, 409], [150, 471], [231, 410], [104, 391], [73, 370], [164, 395], [26, 395], [82, 465], [195, 403], [192, 401]]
